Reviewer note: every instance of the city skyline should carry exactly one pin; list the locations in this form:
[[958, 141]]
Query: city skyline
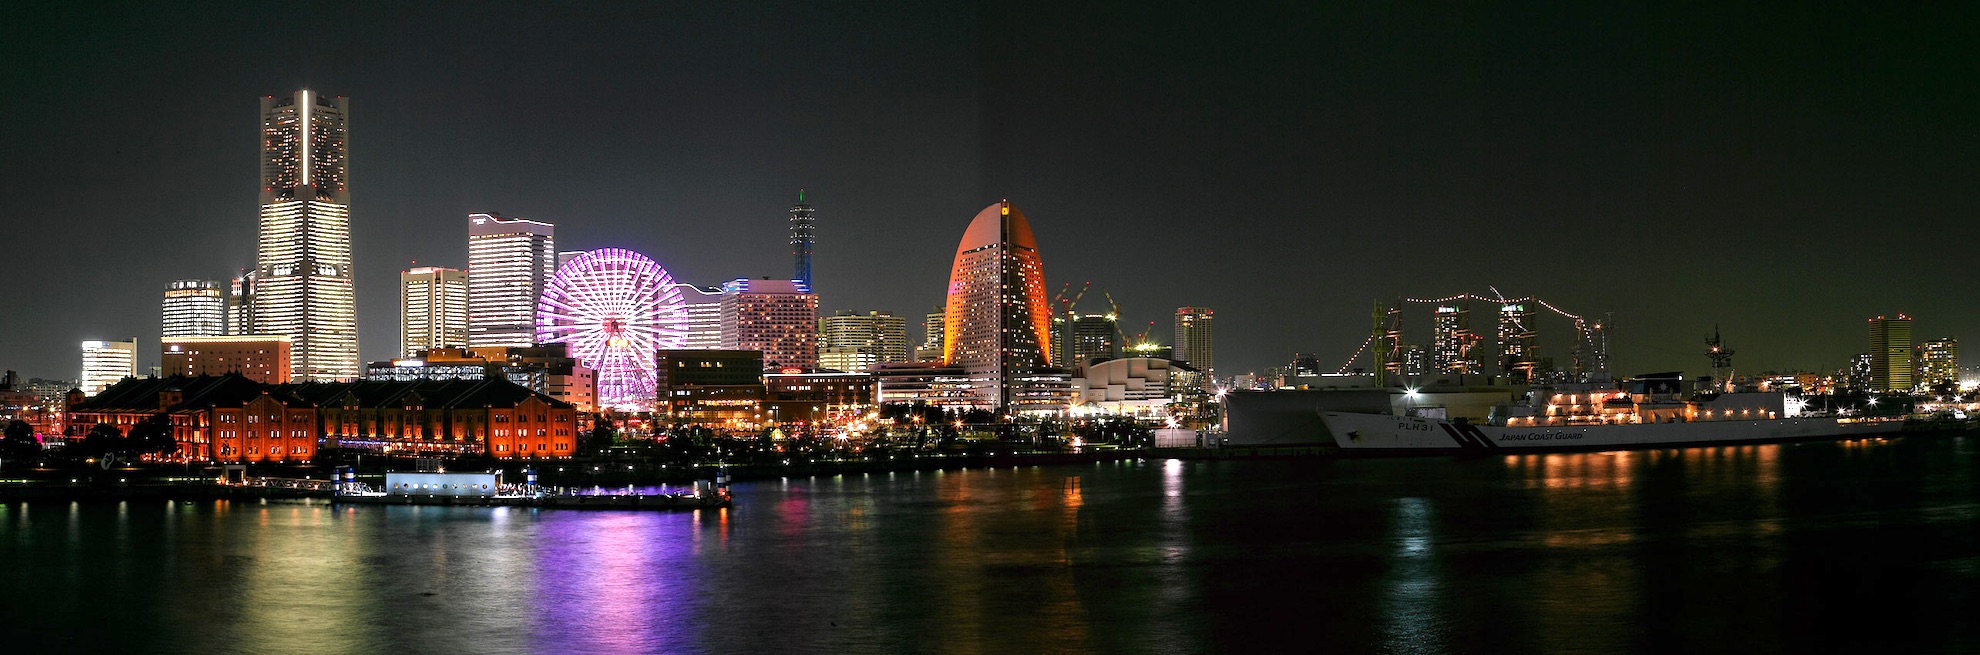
[[1574, 143]]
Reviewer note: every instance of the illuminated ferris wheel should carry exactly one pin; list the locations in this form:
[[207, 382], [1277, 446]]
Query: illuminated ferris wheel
[[613, 308]]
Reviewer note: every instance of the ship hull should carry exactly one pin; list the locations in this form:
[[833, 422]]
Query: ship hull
[[1408, 434]]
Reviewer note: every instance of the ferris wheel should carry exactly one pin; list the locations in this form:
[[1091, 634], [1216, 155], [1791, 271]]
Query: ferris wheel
[[613, 308]]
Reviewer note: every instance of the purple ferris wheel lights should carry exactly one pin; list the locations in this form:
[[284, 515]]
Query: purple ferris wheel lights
[[612, 308]]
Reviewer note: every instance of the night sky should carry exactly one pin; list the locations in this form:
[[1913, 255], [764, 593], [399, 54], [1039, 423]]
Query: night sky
[[1783, 173]]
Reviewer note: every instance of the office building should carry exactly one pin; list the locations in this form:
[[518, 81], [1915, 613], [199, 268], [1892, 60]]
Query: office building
[[433, 309], [930, 349], [240, 304], [509, 262], [778, 318], [998, 321], [853, 342], [1091, 338], [262, 358], [1938, 363], [302, 280], [1196, 340], [701, 307], [106, 362], [1890, 354], [194, 308]]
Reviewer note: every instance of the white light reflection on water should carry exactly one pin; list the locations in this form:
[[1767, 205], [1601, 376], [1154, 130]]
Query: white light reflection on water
[[1412, 586]]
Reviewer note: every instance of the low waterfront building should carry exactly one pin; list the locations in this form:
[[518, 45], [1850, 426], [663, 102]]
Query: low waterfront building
[[718, 388], [931, 383], [813, 396], [1137, 386], [233, 419]]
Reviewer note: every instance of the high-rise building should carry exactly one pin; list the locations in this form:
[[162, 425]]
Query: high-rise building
[[702, 306], [433, 309], [1091, 337], [1453, 340], [930, 349], [1195, 340], [778, 318], [240, 304], [854, 342], [1517, 359], [106, 362], [1890, 354], [998, 321], [194, 308], [509, 261], [803, 235], [1938, 362], [303, 286], [262, 358]]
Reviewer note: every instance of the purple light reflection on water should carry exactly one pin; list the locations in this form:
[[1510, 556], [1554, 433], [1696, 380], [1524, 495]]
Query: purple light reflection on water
[[616, 582]]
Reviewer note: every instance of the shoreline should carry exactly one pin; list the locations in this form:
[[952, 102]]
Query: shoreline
[[640, 473]]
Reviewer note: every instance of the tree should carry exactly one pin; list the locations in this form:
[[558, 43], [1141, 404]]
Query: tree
[[102, 439], [603, 434], [19, 442], [151, 435]]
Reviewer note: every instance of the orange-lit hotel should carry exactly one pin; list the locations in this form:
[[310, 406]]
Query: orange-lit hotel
[[997, 323]]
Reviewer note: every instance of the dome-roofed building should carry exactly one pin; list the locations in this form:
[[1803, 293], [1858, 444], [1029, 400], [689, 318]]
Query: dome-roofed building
[[997, 324]]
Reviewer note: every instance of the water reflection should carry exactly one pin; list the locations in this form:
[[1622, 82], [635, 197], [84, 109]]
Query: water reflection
[[1744, 548]]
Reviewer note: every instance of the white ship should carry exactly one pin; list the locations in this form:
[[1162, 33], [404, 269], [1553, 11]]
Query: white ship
[[1601, 420]]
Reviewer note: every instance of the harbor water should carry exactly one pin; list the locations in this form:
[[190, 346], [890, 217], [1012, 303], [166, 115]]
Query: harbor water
[[1864, 546]]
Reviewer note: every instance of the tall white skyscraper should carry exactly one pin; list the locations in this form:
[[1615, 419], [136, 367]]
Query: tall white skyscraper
[[509, 261], [433, 309], [303, 287], [106, 362], [703, 308], [194, 308]]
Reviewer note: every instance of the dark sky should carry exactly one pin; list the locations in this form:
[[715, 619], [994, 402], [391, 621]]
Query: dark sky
[[1781, 172]]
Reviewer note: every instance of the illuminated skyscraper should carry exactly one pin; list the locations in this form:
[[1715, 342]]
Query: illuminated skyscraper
[[509, 261], [106, 362], [1938, 362], [433, 309], [1195, 340], [804, 233], [998, 320], [303, 287], [194, 308], [1890, 354], [1454, 340], [778, 318], [1517, 359]]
